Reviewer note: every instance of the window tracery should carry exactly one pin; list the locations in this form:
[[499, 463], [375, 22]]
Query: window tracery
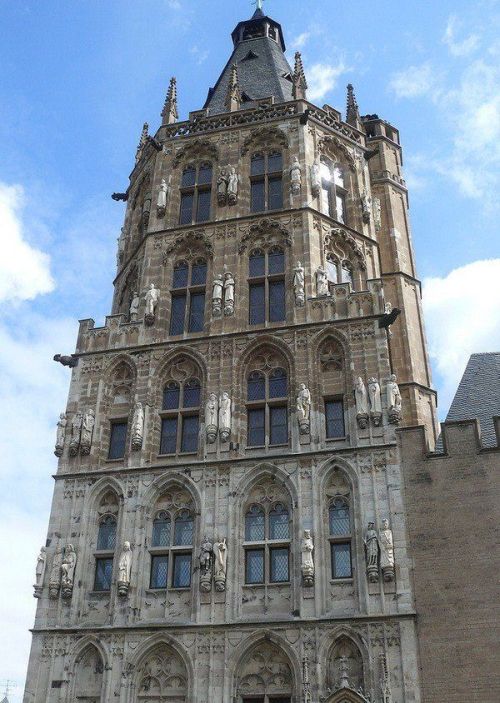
[[162, 677], [265, 676]]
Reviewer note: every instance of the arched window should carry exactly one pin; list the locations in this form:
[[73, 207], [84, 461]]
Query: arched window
[[267, 544], [267, 408], [265, 676], [266, 277], [339, 271], [188, 297], [333, 381], [105, 552], [196, 194], [171, 549], [180, 417], [266, 181], [339, 521], [333, 191]]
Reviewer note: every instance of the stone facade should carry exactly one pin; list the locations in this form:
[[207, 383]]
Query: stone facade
[[313, 634]]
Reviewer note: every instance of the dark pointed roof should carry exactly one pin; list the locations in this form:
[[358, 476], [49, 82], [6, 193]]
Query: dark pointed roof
[[263, 70]]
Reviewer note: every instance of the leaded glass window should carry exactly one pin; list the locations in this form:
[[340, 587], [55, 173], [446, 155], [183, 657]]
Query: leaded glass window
[[339, 271], [267, 408], [118, 439], [266, 277], [333, 191], [104, 554], [340, 538], [103, 573], [267, 544], [170, 562], [196, 194], [106, 538], [266, 181], [187, 313], [180, 417], [334, 417]]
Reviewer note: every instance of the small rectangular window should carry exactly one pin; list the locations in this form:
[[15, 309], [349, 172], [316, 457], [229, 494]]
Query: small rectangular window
[[188, 177], [276, 301], [279, 525], [189, 440], [254, 566], [161, 533], [279, 564], [275, 163], [341, 560], [257, 167], [256, 427], [186, 215], [168, 443], [276, 262], [257, 303], [182, 571], [278, 420], [180, 279], [275, 193], [257, 196], [203, 206], [177, 314], [205, 174], [199, 274], [334, 414], [257, 265], [103, 574], [197, 312], [255, 530], [191, 396], [117, 440], [171, 397], [183, 531], [159, 571]]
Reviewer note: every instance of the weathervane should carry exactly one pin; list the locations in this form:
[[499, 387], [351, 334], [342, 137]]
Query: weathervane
[[258, 4]]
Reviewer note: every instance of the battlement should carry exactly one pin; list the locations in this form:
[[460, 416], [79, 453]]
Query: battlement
[[458, 438]]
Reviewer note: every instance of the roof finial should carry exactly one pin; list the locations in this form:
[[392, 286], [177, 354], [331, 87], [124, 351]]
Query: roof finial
[[169, 113], [233, 97], [258, 4], [142, 141], [352, 115], [299, 79]]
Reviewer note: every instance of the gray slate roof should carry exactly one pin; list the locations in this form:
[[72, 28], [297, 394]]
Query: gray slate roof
[[478, 395]]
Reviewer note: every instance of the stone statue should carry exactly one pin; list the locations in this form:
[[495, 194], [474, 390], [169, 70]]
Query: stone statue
[[152, 296], [322, 282], [137, 426], [304, 408], [377, 214], [298, 284], [76, 429], [386, 542], [228, 293], [88, 423], [316, 178], [206, 566], [55, 573], [68, 571], [387, 308], [220, 568], [60, 434], [232, 187], [225, 417], [134, 307], [146, 209], [366, 207], [217, 288], [307, 565], [375, 401], [222, 183], [40, 572], [161, 203], [371, 549], [361, 398], [124, 569], [393, 401], [295, 176], [211, 418]]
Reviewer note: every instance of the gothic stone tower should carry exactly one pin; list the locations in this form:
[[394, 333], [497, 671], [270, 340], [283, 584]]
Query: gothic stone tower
[[229, 480]]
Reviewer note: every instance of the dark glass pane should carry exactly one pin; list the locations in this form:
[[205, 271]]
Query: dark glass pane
[[199, 274], [192, 392], [168, 444], [180, 279], [182, 571], [159, 571], [279, 565], [276, 261], [197, 312], [186, 215], [278, 523], [171, 394], [257, 265], [177, 314], [203, 207], [275, 197], [257, 303], [257, 165], [275, 162], [254, 525], [339, 518], [278, 418], [254, 566], [103, 574], [189, 439], [256, 386], [117, 440], [346, 274], [256, 427], [276, 301], [183, 533], [341, 560], [188, 177], [278, 387], [205, 174], [257, 196], [106, 538], [161, 532], [334, 412]]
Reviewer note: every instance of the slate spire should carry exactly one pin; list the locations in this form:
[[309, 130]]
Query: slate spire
[[169, 113]]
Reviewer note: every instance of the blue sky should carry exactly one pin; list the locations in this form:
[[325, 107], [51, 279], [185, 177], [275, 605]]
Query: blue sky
[[78, 79]]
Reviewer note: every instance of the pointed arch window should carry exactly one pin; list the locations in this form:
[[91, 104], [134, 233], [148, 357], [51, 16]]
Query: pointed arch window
[[188, 297], [171, 550], [180, 417], [266, 181], [266, 277], [333, 191], [267, 544], [104, 554], [196, 193], [339, 521], [267, 408]]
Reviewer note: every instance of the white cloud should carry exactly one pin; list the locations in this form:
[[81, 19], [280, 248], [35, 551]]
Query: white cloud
[[300, 41], [461, 313], [414, 81], [466, 46], [24, 270], [322, 79], [200, 55]]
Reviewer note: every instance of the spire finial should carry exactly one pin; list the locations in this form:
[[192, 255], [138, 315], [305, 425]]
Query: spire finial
[[258, 4], [352, 114], [233, 97], [299, 79], [142, 141], [169, 113]]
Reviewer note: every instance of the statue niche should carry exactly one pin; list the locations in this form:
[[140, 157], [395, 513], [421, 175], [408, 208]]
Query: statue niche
[[89, 673], [162, 677], [265, 671], [345, 669]]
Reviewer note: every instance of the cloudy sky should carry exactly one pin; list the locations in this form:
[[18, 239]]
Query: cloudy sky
[[78, 79]]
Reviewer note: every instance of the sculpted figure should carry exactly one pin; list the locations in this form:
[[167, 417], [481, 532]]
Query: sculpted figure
[[217, 288], [124, 569], [375, 401], [66, 360], [55, 573], [377, 214], [371, 549], [298, 284], [88, 423], [40, 572], [76, 429], [68, 570], [60, 434], [134, 306], [232, 187], [211, 417], [206, 566], [146, 209], [220, 553], [393, 400], [366, 206], [322, 282], [361, 399], [307, 565], [316, 178], [152, 296], [161, 203], [228, 293], [304, 408], [295, 176], [225, 417], [386, 542], [222, 183], [137, 426]]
